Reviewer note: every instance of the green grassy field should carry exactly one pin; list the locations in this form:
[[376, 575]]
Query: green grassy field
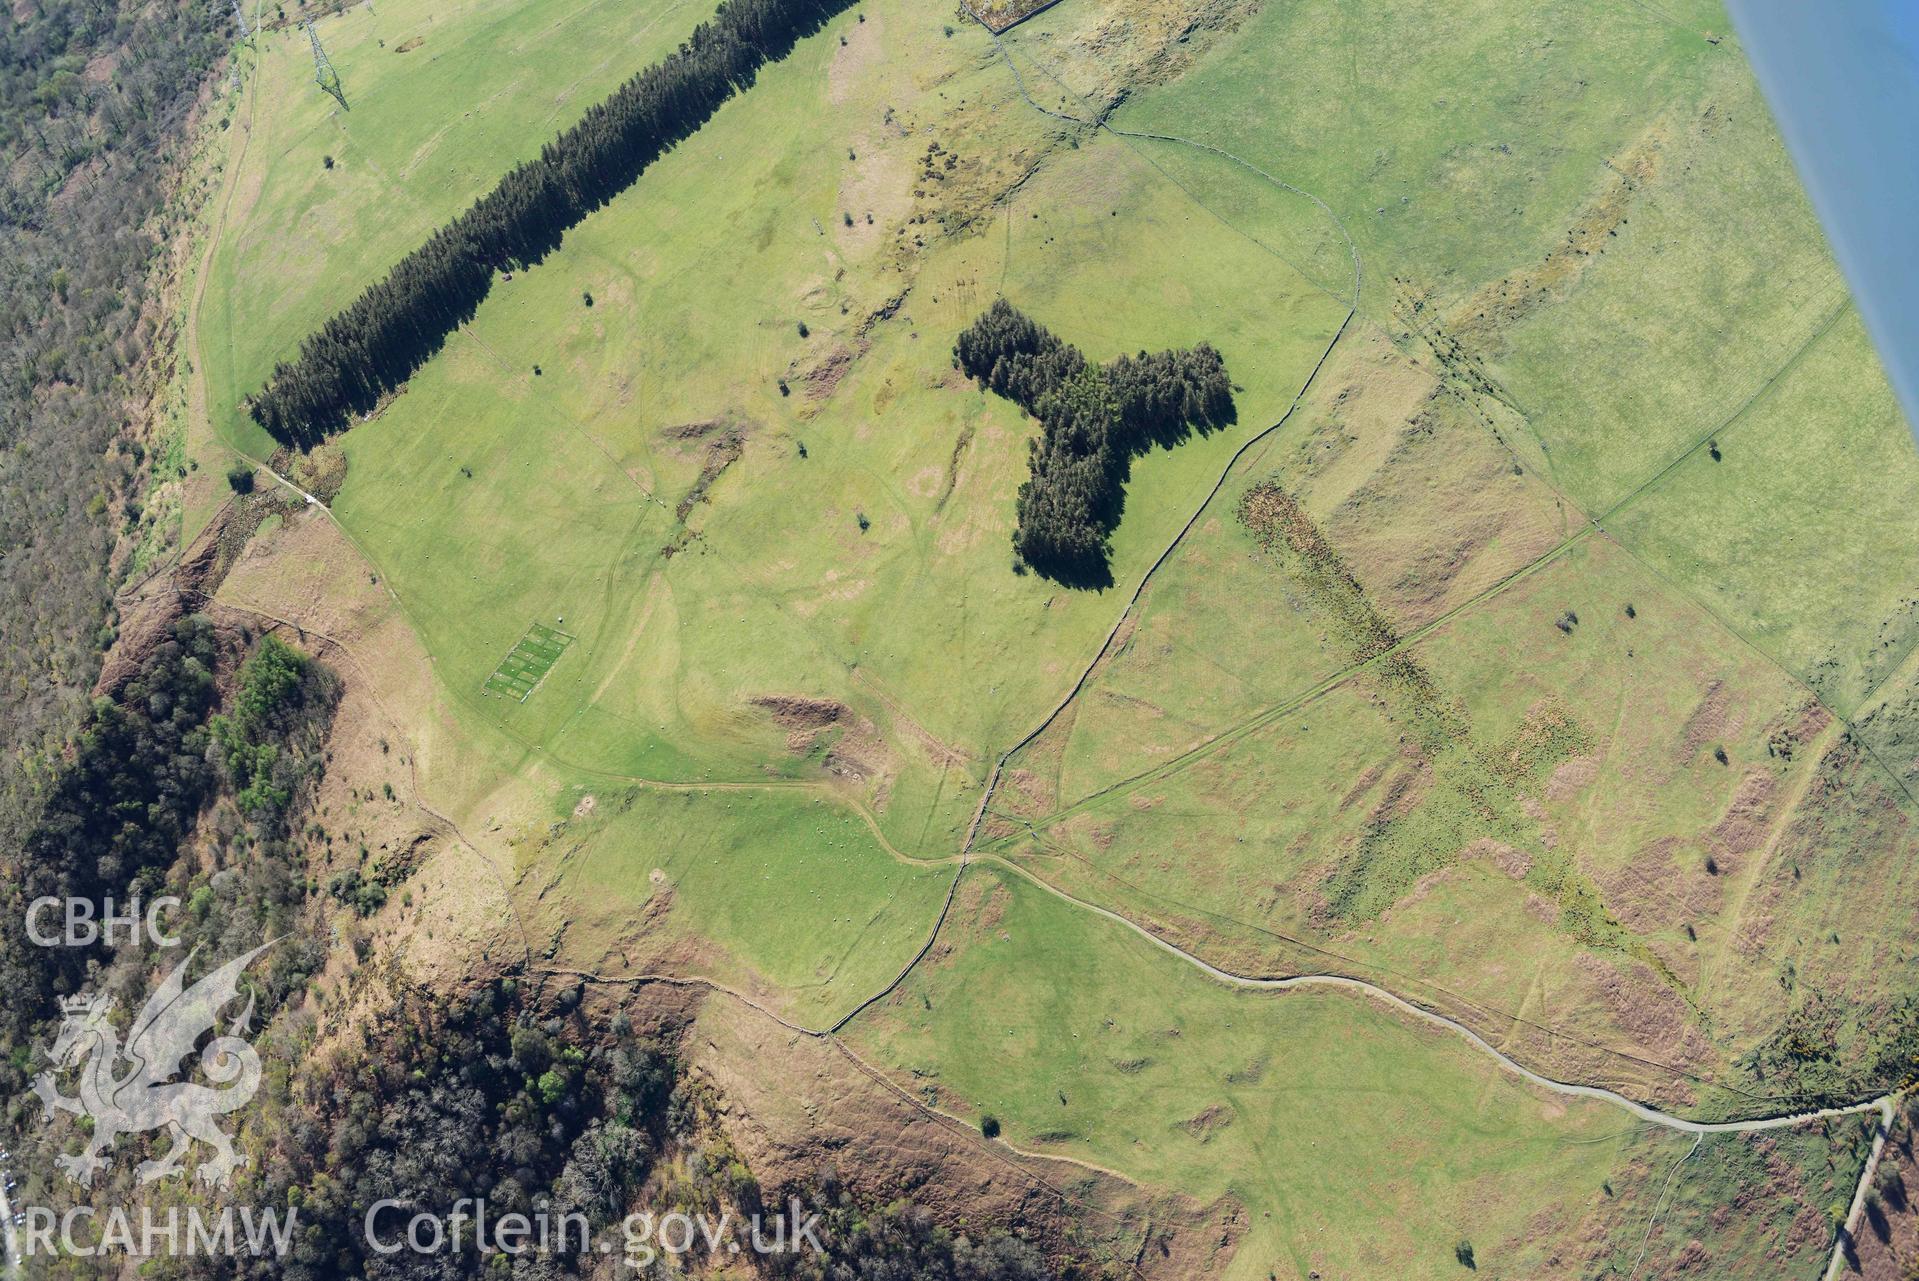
[[705, 544], [444, 96], [777, 589], [1377, 1151], [780, 894], [1710, 273], [1784, 534], [1454, 140]]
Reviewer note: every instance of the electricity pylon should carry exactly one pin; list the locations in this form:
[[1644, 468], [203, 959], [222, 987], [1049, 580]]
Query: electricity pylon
[[323, 73]]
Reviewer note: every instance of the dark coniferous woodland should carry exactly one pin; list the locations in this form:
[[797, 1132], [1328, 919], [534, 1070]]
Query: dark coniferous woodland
[[396, 325], [1093, 420]]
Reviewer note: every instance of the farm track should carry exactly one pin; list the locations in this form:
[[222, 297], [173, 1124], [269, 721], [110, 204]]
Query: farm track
[[1642, 1112], [1652, 1220], [1849, 1231], [1649, 1115], [1434, 1018], [1230, 978], [1139, 589]]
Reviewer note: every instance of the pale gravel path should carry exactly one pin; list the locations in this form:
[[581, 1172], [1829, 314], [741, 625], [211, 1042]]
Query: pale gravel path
[[1650, 1115], [1858, 1207]]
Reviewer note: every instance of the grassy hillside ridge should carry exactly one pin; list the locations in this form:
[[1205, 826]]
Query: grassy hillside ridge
[[1445, 136], [1083, 1040], [761, 563], [1393, 706], [447, 95], [368, 349]]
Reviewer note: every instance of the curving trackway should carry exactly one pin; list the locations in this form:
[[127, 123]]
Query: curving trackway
[[1650, 1115], [1883, 1104]]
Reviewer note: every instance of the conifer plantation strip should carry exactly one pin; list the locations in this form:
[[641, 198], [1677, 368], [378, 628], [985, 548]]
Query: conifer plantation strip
[[393, 328]]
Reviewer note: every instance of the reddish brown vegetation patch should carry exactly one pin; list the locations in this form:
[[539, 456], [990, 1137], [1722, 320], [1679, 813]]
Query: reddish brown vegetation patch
[[821, 381], [1513, 862], [1208, 1122], [1787, 740], [1030, 788], [1404, 791], [1504, 303], [1652, 1014], [1747, 822], [1658, 889], [857, 752], [1443, 515], [722, 451], [1571, 777], [1711, 721], [796, 711], [682, 432]]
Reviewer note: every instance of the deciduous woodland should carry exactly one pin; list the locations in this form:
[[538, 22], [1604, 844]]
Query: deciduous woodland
[[86, 167], [389, 331], [144, 770], [1093, 420]]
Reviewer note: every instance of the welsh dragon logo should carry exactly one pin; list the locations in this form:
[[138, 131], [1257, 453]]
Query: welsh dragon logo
[[130, 1089]]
